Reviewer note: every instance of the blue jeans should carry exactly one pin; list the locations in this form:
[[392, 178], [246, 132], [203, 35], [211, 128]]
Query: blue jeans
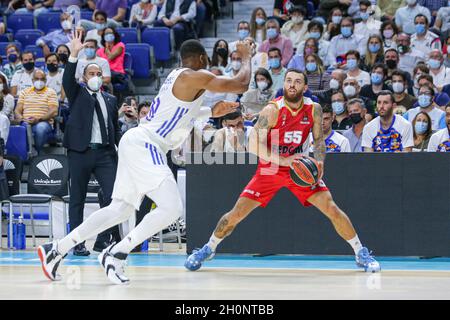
[[41, 133]]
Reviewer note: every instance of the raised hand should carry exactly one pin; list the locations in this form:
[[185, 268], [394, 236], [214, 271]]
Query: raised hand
[[76, 44], [244, 49]]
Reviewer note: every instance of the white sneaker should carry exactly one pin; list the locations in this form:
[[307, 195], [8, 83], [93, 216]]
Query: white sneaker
[[50, 260], [114, 265]]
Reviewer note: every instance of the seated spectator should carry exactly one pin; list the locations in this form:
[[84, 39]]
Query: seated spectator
[[235, 64], [143, 14], [281, 9], [341, 120], [443, 19], [334, 142], [389, 32], [337, 78], [114, 52], [353, 61], [427, 104], [422, 131], [100, 18], [36, 7], [178, 15], [352, 90], [374, 52], [296, 28], [14, 63], [371, 91], [143, 109], [439, 72], [220, 54], [318, 80], [409, 57], [90, 51], [22, 79], [37, 106], [357, 114], [399, 87], [243, 31], [440, 98], [52, 40], [391, 60], [62, 5], [433, 5], [63, 53], [440, 141], [334, 24], [315, 31], [298, 60], [387, 132], [343, 43], [331, 8], [368, 25], [7, 100], [115, 9], [405, 16], [276, 69], [424, 40], [130, 116], [275, 39], [54, 75], [254, 100], [234, 136], [258, 25], [373, 10], [419, 69]]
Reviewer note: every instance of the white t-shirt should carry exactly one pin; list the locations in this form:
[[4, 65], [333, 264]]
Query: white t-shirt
[[395, 139], [55, 82], [363, 78], [21, 80], [336, 142], [82, 63], [442, 77], [437, 117], [439, 141]]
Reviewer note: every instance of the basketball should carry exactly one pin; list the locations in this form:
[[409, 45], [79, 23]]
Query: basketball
[[305, 172]]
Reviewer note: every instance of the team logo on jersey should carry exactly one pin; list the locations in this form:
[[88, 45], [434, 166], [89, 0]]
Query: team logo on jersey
[[305, 120], [283, 119], [444, 146]]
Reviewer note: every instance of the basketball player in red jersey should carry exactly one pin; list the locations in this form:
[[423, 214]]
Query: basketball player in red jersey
[[279, 138]]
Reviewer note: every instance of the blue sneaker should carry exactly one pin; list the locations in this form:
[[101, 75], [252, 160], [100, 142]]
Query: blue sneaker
[[366, 261], [194, 261]]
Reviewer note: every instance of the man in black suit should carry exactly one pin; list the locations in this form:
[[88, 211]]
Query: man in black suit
[[91, 136]]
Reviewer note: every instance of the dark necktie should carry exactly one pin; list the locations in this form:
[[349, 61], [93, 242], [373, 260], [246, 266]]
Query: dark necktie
[[101, 120]]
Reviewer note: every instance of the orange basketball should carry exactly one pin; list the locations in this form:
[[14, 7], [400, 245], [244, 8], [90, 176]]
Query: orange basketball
[[305, 172]]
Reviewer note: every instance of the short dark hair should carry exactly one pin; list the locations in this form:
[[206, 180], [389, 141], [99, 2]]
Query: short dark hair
[[298, 8], [353, 52], [327, 109], [243, 22], [52, 54], [367, 3], [349, 19], [382, 66], [421, 15], [296, 71], [391, 49], [263, 72], [386, 93], [26, 52], [422, 67], [388, 23], [63, 45], [191, 48], [232, 116], [101, 13], [92, 40], [142, 105], [399, 73], [275, 49], [428, 87], [315, 23], [427, 76]]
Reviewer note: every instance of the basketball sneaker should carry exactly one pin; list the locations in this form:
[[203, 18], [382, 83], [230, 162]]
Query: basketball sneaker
[[365, 260], [50, 260], [194, 261], [114, 265]]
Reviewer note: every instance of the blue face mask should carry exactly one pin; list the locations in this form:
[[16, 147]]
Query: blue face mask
[[421, 127], [352, 64], [243, 33], [260, 21], [272, 33], [338, 107], [374, 48], [364, 15], [420, 28], [109, 37], [315, 35], [376, 78], [346, 31], [274, 63], [311, 66], [336, 19], [89, 52], [100, 26], [424, 100], [434, 64]]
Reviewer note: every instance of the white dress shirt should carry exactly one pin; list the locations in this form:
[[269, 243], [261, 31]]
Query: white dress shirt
[[404, 17], [340, 45]]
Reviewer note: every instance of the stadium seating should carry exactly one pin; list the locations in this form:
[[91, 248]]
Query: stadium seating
[[38, 53], [17, 144], [48, 21], [158, 37], [86, 15], [128, 35], [28, 36], [3, 46], [20, 21], [141, 59]]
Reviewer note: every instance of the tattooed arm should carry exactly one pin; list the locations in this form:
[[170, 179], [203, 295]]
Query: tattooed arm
[[319, 140]]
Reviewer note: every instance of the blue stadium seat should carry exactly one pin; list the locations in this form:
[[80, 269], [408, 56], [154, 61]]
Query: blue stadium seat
[[40, 64], [17, 143], [141, 64], [86, 15], [4, 60], [3, 46], [128, 35], [20, 21], [310, 9], [38, 52], [28, 36], [159, 39], [47, 21], [4, 38]]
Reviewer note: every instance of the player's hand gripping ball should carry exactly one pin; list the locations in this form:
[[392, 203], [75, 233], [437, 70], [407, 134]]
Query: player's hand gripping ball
[[305, 172]]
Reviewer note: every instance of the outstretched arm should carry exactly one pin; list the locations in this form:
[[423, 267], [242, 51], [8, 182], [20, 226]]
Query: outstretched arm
[[319, 140]]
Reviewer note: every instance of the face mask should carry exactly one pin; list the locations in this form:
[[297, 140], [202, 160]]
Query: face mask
[[235, 65], [352, 64], [398, 87], [315, 35], [39, 85], [66, 25], [402, 49], [28, 66], [424, 100], [338, 107], [392, 64], [421, 127], [376, 78], [63, 57], [1, 87], [12, 58], [346, 32], [272, 33], [95, 83], [311, 66], [243, 33], [260, 21], [356, 118], [374, 48], [434, 64], [364, 16], [336, 19], [274, 63], [334, 84], [297, 20], [309, 50], [262, 85], [388, 33], [411, 2], [420, 28], [109, 37], [222, 52], [100, 26], [52, 67], [90, 53], [350, 91]]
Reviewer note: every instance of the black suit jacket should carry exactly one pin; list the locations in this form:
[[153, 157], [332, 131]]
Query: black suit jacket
[[77, 134]]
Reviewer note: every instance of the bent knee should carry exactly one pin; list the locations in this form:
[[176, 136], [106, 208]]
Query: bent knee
[[333, 211]]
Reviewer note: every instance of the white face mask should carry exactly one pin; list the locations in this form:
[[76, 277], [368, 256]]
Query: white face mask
[[39, 84], [1, 87], [398, 87], [95, 83], [350, 91], [66, 25], [297, 19], [262, 85], [334, 84], [235, 65]]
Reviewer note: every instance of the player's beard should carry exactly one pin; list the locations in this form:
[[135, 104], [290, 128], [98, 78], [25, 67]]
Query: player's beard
[[387, 114], [293, 98]]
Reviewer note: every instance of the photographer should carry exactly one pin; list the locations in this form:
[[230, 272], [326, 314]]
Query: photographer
[[129, 117]]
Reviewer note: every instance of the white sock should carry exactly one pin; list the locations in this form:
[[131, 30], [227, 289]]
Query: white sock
[[356, 244], [214, 242]]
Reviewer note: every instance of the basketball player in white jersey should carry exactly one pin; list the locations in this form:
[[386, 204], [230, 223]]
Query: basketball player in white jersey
[[142, 168]]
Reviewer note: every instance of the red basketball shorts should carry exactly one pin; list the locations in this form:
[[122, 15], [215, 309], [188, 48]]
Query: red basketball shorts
[[263, 187]]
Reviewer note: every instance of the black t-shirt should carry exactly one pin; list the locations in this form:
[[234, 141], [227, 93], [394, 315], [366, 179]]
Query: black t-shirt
[[345, 124]]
